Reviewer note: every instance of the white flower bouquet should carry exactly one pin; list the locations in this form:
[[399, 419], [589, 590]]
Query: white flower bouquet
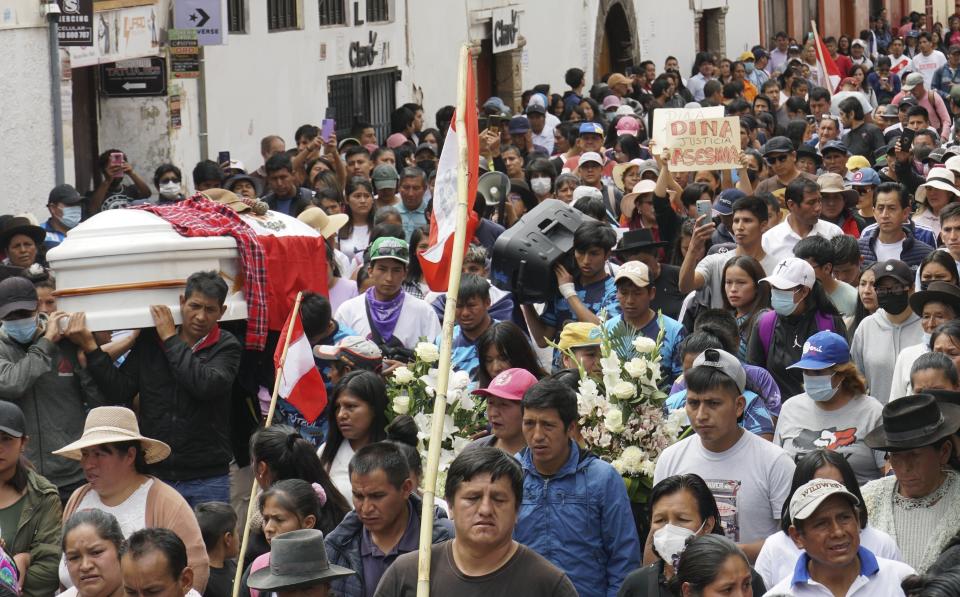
[[411, 390], [622, 415]]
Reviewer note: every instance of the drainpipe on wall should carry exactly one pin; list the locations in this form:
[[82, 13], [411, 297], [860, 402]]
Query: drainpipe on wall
[[202, 106], [52, 11]]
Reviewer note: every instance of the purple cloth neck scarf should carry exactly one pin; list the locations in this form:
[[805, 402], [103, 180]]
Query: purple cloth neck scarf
[[384, 315]]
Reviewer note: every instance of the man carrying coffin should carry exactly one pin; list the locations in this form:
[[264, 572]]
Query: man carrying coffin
[[184, 377]]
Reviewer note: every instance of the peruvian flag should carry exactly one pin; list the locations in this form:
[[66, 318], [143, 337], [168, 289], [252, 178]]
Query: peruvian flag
[[435, 261], [300, 382], [295, 258], [829, 71]]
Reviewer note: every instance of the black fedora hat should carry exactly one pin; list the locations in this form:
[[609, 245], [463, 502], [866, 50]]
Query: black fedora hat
[[21, 225], [939, 292], [913, 422], [638, 240], [298, 559]]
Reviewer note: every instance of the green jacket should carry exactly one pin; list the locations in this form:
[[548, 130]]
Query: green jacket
[[39, 534]]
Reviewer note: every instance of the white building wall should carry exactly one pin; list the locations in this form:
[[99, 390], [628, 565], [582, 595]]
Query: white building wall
[[263, 83], [26, 128]]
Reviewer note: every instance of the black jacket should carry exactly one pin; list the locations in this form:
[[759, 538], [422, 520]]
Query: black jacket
[[184, 398], [301, 202]]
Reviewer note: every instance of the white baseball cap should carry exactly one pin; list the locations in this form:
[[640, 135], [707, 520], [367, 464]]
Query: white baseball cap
[[585, 191], [590, 156], [808, 497], [790, 273], [635, 271]]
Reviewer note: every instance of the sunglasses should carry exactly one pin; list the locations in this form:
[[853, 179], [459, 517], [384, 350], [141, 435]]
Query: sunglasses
[[776, 159], [396, 252]]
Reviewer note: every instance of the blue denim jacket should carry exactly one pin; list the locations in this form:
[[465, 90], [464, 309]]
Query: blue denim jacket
[[580, 520]]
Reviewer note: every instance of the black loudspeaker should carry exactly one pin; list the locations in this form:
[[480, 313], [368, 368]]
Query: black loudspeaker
[[525, 253]]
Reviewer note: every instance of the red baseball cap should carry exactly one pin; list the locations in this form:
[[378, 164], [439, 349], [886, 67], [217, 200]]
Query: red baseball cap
[[509, 384]]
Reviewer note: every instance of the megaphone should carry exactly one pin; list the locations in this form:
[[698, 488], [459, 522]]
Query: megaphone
[[494, 186]]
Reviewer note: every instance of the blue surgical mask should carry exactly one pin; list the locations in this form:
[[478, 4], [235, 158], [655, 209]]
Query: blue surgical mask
[[819, 387], [71, 215], [782, 301], [21, 330], [925, 339], [748, 66]]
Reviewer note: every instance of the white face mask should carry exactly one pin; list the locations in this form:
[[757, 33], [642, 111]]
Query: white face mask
[[540, 186], [670, 541], [169, 189]]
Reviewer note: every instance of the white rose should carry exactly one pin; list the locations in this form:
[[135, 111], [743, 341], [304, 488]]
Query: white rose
[[635, 368], [401, 404], [642, 344], [613, 420], [624, 390], [402, 375], [427, 352], [632, 457]]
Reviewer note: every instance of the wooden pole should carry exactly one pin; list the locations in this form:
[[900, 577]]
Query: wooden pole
[[253, 488], [446, 342]]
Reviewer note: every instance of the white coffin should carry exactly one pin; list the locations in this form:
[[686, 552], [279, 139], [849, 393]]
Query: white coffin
[[119, 262]]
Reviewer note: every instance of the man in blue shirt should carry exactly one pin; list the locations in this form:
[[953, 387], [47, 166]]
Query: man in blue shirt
[[581, 298], [412, 207], [634, 293], [284, 195], [65, 212], [473, 319], [575, 509]]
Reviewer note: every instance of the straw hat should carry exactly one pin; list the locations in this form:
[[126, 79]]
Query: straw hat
[[318, 219], [113, 424]]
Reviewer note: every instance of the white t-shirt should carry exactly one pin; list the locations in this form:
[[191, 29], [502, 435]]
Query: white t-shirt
[[885, 582], [804, 426], [752, 478], [417, 319], [887, 251], [711, 268], [357, 242], [779, 554], [928, 65], [131, 514], [779, 241], [339, 469]]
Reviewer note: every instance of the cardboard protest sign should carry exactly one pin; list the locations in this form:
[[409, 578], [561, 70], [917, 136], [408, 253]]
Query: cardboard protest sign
[[703, 144], [662, 117]]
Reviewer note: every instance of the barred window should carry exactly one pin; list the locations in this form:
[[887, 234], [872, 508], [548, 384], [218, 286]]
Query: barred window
[[282, 15], [333, 12], [236, 16], [378, 11]]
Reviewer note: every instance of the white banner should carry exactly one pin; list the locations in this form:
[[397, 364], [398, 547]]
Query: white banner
[[120, 35]]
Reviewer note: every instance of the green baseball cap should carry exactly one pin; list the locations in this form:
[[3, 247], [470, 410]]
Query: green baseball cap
[[388, 247]]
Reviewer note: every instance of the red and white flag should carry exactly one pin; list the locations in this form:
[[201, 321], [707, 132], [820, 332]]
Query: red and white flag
[[829, 71], [300, 382], [435, 261]]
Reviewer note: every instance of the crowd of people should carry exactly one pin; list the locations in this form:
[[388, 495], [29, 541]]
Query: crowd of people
[[809, 329]]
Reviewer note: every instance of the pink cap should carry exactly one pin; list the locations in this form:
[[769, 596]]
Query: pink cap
[[509, 384], [611, 101], [396, 140], [628, 125]]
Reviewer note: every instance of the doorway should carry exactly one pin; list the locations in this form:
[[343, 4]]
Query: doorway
[[616, 51], [86, 139]]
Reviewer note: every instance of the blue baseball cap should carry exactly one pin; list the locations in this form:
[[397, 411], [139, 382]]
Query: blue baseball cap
[[724, 203], [863, 177], [591, 128], [822, 350], [519, 125]]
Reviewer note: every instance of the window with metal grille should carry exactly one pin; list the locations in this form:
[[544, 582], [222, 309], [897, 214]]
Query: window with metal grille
[[368, 97], [378, 10], [332, 12], [282, 15], [236, 16]]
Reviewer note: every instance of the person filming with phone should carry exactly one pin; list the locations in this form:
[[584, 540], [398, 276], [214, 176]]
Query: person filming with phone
[[111, 193]]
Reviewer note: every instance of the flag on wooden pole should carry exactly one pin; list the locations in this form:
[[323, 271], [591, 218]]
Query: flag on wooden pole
[[300, 381], [435, 261]]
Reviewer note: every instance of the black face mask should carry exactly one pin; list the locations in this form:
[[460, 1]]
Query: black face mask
[[922, 153], [895, 304], [427, 166], [925, 284]]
